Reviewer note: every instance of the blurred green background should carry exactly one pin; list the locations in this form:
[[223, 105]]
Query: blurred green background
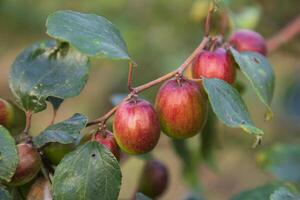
[[160, 34]]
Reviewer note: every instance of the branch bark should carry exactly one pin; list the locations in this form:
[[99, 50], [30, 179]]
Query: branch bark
[[284, 35]]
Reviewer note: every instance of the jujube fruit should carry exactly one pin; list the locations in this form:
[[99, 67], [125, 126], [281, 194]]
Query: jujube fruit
[[248, 40], [29, 165], [214, 64], [107, 139], [40, 190], [6, 113], [55, 152], [181, 108], [154, 179], [136, 126]]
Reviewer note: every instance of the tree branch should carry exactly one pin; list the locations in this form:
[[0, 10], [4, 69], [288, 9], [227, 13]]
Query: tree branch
[[284, 35], [150, 84]]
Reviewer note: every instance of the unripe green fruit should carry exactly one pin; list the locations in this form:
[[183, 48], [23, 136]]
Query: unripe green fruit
[[154, 179], [6, 113], [181, 108], [136, 126], [55, 152], [29, 165], [107, 139]]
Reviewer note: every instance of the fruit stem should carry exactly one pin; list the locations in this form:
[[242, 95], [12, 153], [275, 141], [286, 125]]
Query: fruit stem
[[129, 82], [136, 90], [25, 134], [54, 114]]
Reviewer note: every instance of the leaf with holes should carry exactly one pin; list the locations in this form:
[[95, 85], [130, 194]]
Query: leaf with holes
[[90, 34], [65, 132], [229, 106], [44, 70], [8, 155], [90, 172], [260, 73]]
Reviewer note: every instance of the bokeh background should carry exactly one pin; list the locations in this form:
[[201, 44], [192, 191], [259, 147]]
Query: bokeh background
[[160, 34]]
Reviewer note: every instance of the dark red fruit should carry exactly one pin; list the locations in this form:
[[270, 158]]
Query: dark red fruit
[[29, 165], [154, 179], [181, 108], [6, 113], [107, 139], [247, 40], [136, 126], [214, 64]]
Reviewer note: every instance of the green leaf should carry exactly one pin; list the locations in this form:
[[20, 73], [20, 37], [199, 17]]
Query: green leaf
[[229, 106], [140, 196], [260, 73], [90, 172], [283, 194], [8, 155], [262, 193], [45, 70], [4, 194], [283, 161], [189, 162], [65, 132], [208, 140], [56, 102], [90, 34]]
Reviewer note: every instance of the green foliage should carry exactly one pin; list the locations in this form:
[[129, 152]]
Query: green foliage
[[8, 155], [44, 70], [208, 140], [260, 73], [140, 196], [283, 194], [283, 161], [265, 192], [90, 34], [90, 172], [4, 194], [229, 106], [65, 132]]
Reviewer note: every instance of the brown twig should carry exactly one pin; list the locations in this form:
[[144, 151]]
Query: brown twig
[[150, 84], [129, 81], [284, 35]]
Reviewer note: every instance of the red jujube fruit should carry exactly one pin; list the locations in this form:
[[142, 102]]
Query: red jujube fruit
[[181, 108], [136, 126], [214, 64]]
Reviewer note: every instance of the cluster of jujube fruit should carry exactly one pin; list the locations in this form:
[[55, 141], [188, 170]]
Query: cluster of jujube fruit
[[181, 106], [180, 112]]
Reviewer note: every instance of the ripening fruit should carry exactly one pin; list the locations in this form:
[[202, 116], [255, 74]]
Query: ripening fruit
[[6, 113], [40, 190], [107, 139], [181, 108], [154, 179], [247, 40], [29, 165], [136, 126], [55, 152], [214, 64]]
